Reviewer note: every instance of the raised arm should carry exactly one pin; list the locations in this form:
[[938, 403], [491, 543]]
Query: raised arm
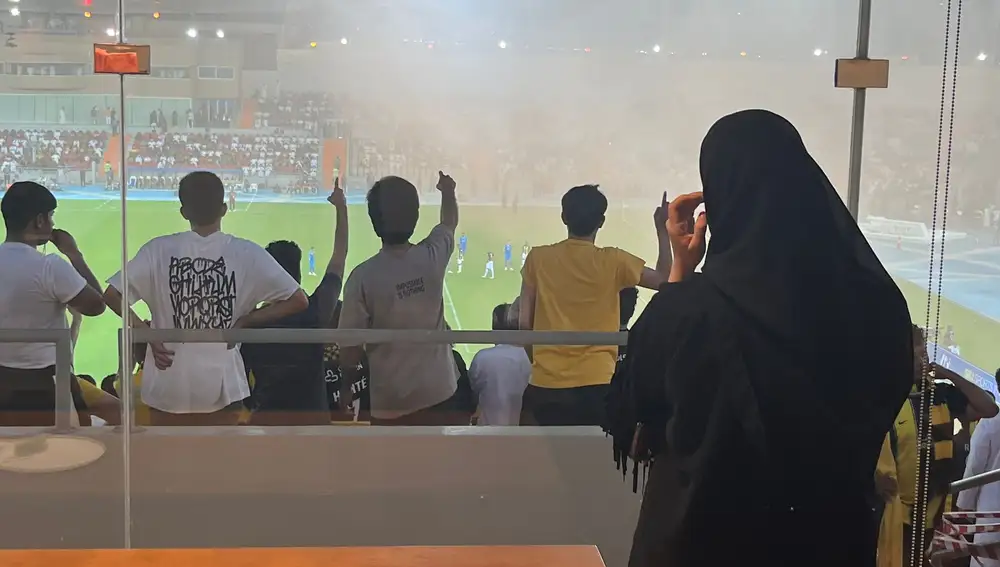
[[328, 292], [449, 203], [88, 301], [981, 404], [338, 260], [654, 278]]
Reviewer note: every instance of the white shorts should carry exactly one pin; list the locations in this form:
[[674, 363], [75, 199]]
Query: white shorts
[[489, 265]]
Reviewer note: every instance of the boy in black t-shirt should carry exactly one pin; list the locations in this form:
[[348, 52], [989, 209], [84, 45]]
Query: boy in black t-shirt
[[289, 379]]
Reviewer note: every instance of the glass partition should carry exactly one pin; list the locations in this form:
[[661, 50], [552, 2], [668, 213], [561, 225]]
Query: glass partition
[[927, 185], [61, 487], [516, 101]]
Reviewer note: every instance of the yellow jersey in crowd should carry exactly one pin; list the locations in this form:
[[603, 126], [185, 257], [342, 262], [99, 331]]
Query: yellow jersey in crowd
[[576, 289]]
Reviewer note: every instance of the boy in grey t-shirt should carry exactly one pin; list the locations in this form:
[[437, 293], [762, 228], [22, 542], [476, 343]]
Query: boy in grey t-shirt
[[401, 287]]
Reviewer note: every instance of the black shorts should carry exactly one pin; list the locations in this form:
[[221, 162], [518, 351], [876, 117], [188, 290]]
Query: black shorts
[[28, 397], [448, 412], [292, 399], [584, 405]]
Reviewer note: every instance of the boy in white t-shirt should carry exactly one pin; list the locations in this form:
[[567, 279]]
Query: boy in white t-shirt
[[35, 290], [202, 279]]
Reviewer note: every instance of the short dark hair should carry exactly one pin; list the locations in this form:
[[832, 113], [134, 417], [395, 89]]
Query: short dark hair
[[500, 317], [394, 208], [203, 197], [626, 304], [288, 255], [23, 202], [583, 209]]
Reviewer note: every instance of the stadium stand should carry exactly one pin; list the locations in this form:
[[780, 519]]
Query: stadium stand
[[28, 148], [255, 155]]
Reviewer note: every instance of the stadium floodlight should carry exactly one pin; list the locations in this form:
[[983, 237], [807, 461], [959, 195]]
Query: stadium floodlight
[[110, 32], [817, 52], [656, 48], [981, 56], [192, 33], [15, 12], [220, 34], [502, 44], [343, 41]]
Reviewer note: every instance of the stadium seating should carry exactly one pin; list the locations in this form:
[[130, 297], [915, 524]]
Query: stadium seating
[[29, 148], [255, 155], [299, 110]]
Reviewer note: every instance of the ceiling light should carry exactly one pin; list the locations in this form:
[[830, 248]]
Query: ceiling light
[[87, 14], [220, 34], [817, 52], [110, 32], [343, 41], [981, 57], [156, 15], [502, 44], [192, 33], [656, 48], [15, 12], [312, 44]]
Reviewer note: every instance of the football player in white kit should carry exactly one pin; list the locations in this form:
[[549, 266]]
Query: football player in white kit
[[459, 259], [489, 266]]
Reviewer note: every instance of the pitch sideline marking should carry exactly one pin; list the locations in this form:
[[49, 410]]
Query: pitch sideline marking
[[454, 314]]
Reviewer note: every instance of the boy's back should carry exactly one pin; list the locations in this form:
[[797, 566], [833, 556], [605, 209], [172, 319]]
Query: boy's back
[[576, 289]]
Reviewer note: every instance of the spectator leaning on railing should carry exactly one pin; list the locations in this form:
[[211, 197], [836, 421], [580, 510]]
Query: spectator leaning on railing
[[202, 279], [35, 290], [401, 287]]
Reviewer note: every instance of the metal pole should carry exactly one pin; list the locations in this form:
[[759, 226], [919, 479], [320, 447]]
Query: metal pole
[[126, 336], [975, 481], [64, 401], [858, 114]]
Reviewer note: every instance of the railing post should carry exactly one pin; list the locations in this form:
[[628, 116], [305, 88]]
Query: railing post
[[858, 113], [64, 398]]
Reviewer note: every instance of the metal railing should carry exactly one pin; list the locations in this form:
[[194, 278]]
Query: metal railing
[[975, 481], [378, 336], [64, 360], [64, 356]]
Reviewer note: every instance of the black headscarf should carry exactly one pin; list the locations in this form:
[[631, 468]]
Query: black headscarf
[[780, 367]]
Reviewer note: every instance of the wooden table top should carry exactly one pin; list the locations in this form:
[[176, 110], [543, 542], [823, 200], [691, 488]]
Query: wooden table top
[[472, 556]]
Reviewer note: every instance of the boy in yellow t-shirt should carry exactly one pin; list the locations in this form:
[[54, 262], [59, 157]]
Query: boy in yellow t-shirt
[[573, 285]]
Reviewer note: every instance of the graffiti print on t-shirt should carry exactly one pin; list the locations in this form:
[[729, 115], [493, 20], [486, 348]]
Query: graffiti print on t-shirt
[[202, 293]]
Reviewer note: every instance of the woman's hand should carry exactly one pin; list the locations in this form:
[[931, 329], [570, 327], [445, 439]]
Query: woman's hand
[[687, 234]]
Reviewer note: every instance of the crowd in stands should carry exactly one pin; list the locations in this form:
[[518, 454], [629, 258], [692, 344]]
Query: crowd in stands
[[38, 148], [742, 344], [254, 155], [306, 111]]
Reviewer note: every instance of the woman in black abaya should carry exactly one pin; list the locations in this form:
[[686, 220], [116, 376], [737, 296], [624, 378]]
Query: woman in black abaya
[[759, 391]]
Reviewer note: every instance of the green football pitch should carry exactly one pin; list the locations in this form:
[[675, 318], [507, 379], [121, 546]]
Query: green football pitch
[[469, 299]]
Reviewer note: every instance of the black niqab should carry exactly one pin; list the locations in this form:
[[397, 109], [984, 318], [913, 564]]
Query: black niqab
[[765, 385]]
